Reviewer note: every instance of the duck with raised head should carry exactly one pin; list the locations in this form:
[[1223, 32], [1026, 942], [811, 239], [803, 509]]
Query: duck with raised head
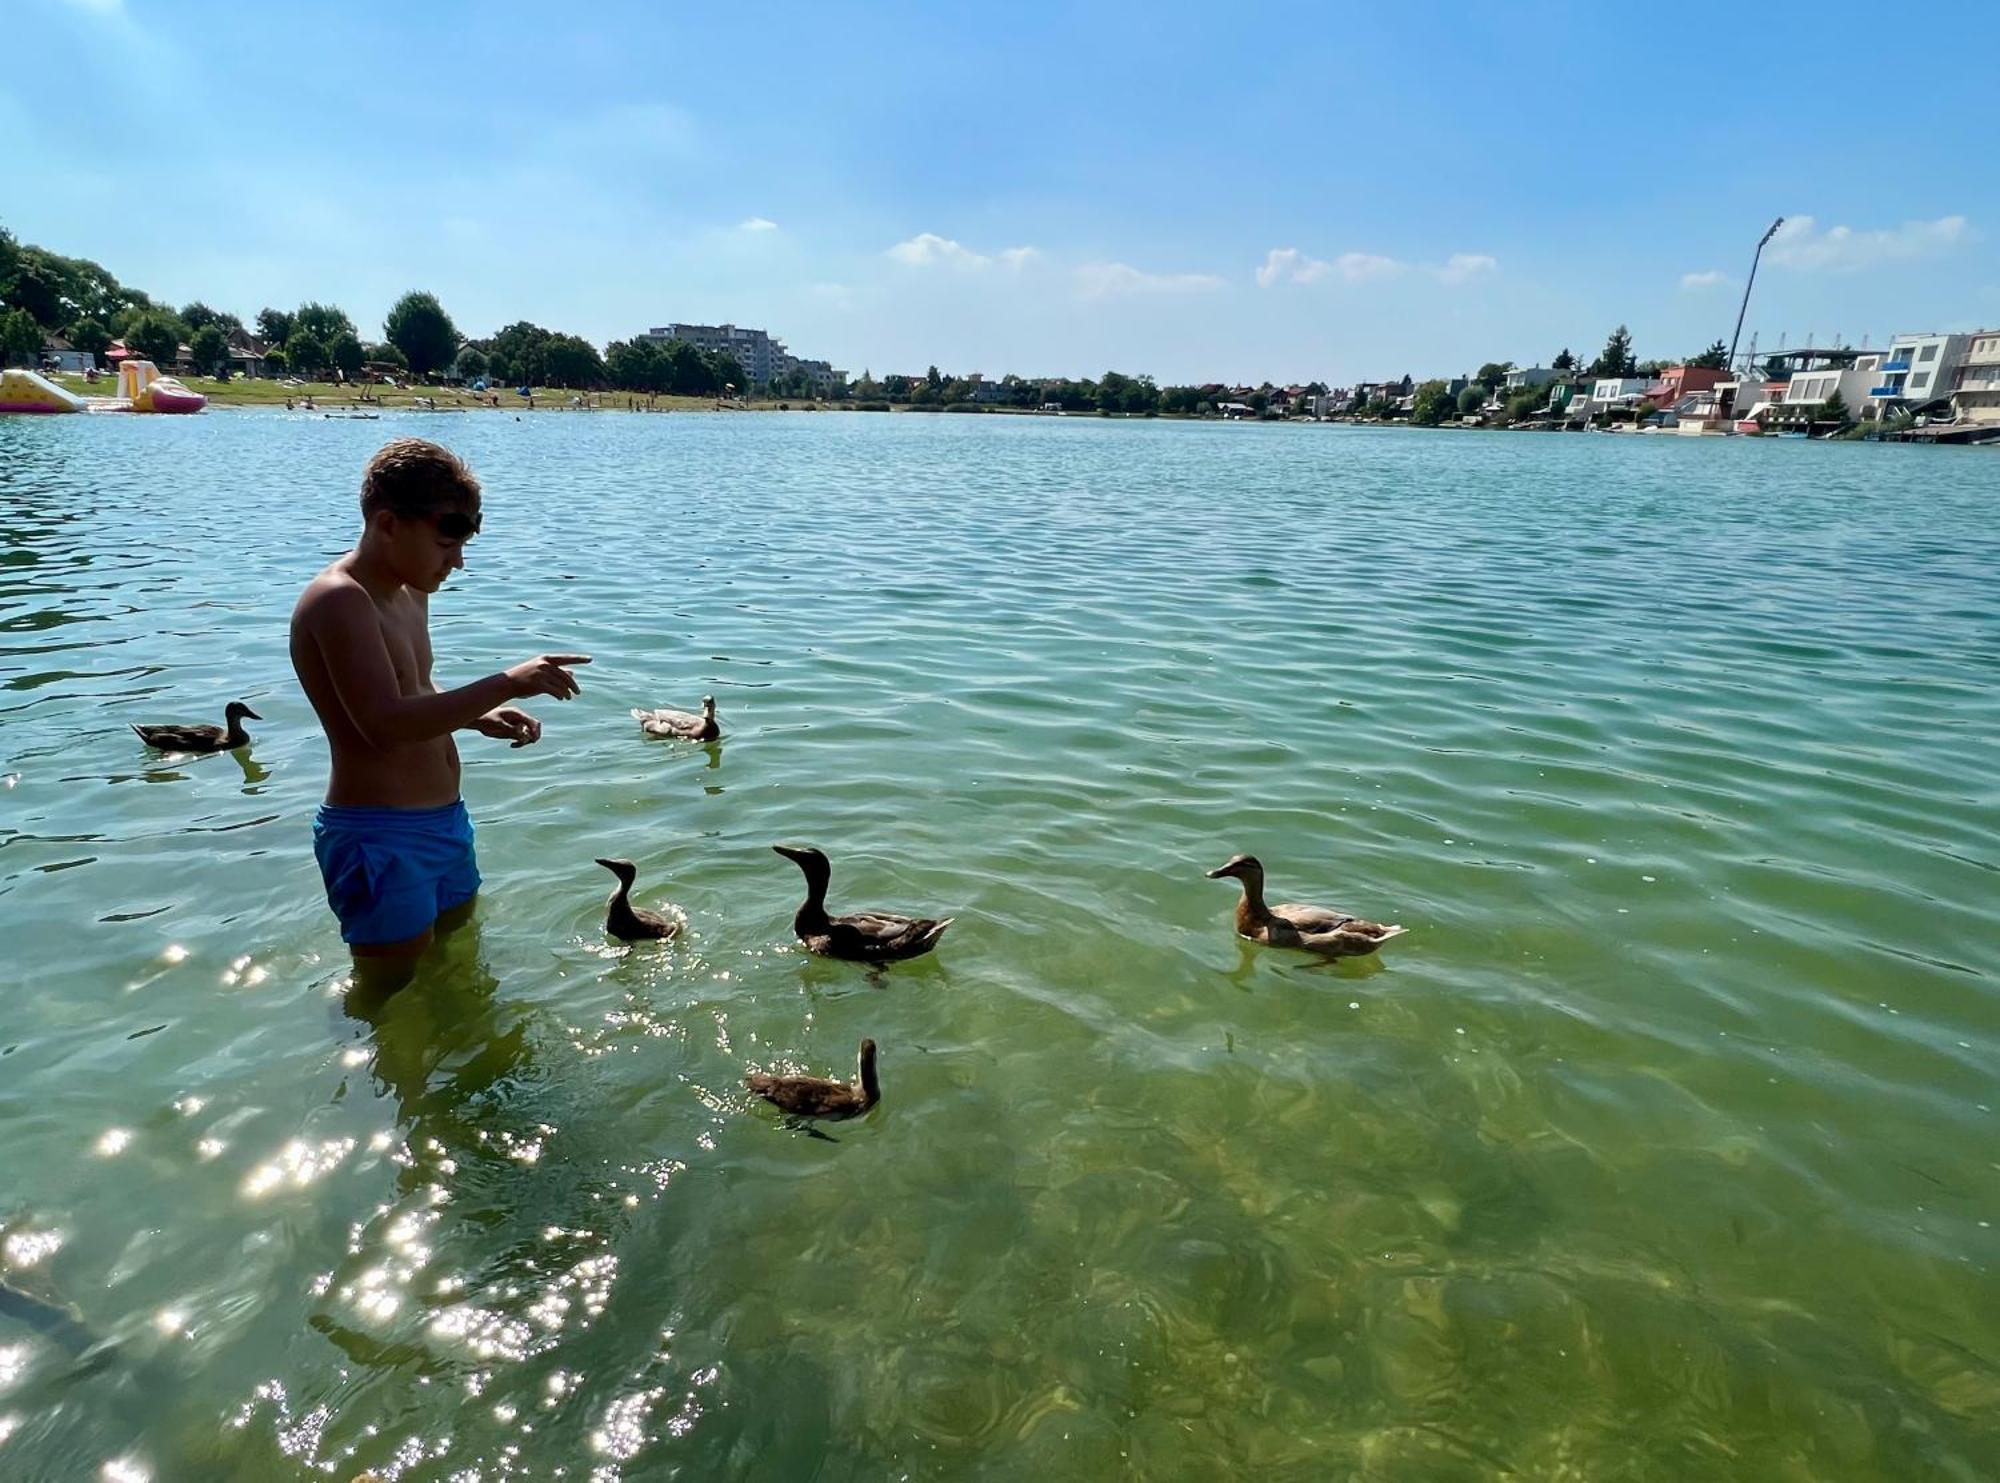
[[817, 1096], [680, 725], [631, 923], [863, 936], [1335, 933], [203, 738]]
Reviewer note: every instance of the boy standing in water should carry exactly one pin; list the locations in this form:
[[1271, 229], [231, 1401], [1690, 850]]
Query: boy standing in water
[[393, 839]]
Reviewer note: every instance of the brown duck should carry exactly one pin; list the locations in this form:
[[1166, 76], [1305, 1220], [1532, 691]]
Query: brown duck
[[863, 936], [680, 725], [1334, 933], [816, 1096], [202, 738], [632, 923]]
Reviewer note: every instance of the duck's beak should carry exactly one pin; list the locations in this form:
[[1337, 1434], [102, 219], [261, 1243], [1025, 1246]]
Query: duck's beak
[[790, 852], [616, 867], [1220, 871], [251, 715]]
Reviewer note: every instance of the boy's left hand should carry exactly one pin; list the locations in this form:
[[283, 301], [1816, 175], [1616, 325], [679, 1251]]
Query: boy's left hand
[[509, 724]]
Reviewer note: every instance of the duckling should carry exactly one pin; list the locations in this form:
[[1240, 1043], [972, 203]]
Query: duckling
[[864, 936], [817, 1096], [1332, 932], [202, 738], [631, 923], [679, 725]]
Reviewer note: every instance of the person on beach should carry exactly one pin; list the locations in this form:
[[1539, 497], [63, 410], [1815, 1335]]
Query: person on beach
[[393, 839]]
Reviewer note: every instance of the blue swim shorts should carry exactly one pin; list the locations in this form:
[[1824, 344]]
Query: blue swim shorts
[[390, 872]]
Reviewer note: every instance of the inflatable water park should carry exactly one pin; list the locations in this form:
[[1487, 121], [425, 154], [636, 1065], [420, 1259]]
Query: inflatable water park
[[141, 388]]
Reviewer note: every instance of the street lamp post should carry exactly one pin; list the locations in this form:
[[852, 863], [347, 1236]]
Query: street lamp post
[[1745, 308]]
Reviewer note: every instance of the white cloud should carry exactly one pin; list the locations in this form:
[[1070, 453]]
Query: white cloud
[[928, 249], [1289, 265], [1711, 278], [757, 224], [1095, 280], [1461, 267], [1801, 245]]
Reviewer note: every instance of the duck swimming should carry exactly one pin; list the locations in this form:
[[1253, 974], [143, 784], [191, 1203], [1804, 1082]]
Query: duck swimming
[[680, 725], [631, 923], [816, 1096], [202, 738], [864, 936], [1332, 932]]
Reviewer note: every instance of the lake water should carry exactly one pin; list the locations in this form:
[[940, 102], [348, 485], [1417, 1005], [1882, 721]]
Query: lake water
[[1663, 1146]]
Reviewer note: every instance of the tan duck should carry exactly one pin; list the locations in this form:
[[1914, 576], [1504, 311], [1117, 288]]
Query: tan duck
[[680, 725], [202, 738], [631, 923], [1332, 932], [863, 936], [816, 1096]]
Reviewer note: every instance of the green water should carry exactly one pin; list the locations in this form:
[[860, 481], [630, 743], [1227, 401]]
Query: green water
[[1663, 1146]]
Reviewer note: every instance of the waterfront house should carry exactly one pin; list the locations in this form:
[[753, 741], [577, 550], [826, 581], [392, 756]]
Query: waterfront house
[[1854, 381], [247, 354], [1975, 393], [61, 356], [1521, 378], [1676, 384], [1921, 369]]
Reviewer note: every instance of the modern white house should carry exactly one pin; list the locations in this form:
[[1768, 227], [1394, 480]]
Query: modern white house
[[1976, 395], [1919, 369], [1523, 377], [1854, 383]]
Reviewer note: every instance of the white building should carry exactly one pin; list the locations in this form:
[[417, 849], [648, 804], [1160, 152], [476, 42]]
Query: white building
[[1523, 377], [1854, 383], [1975, 396], [1919, 369]]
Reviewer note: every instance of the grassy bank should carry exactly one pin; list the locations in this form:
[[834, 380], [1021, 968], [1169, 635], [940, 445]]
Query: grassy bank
[[330, 396]]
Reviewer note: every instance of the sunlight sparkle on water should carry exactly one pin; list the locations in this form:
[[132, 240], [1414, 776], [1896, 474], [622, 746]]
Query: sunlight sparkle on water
[[297, 1165], [13, 1363], [30, 1248], [112, 1142]]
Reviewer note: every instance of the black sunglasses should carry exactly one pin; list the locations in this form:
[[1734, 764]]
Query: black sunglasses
[[455, 525]]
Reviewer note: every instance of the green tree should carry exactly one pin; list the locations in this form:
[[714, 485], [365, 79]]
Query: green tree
[[1522, 402], [573, 362], [209, 350], [384, 354], [1564, 361], [274, 326], [344, 350], [20, 338], [472, 363], [1493, 373], [198, 314], [419, 327], [10, 259], [728, 372], [933, 379], [39, 287], [306, 352], [1835, 410], [275, 362], [90, 336], [1715, 358], [1616, 358], [156, 336], [1434, 403], [320, 321], [1471, 400]]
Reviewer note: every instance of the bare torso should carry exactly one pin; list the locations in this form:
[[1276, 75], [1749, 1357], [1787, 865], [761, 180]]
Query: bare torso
[[419, 774]]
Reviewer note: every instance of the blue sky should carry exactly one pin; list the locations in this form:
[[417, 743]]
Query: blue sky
[[1195, 191]]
